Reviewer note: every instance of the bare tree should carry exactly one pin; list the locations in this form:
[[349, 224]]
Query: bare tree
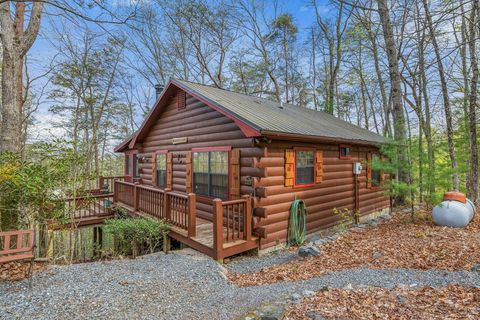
[[446, 99], [15, 44], [395, 79]]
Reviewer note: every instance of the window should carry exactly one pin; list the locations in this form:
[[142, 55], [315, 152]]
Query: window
[[345, 152], [127, 164], [161, 160], [136, 169], [210, 174], [304, 167], [376, 175]]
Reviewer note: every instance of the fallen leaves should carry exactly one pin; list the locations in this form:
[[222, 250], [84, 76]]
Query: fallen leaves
[[14, 271], [400, 243], [452, 302]]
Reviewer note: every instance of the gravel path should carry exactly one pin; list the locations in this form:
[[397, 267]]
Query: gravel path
[[247, 264], [183, 285]]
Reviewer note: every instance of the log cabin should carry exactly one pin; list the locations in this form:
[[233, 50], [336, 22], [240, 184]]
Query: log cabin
[[224, 168]]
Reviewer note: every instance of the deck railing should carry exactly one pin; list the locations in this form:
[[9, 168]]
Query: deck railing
[[178, 209], [236, 217], [124, 193], [151, 201], [88, 206], [108, 183]]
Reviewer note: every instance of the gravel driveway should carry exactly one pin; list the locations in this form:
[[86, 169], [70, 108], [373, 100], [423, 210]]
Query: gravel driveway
[[181, 285]]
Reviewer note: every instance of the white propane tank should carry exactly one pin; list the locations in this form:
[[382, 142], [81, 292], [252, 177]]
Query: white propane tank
[[455, 211]]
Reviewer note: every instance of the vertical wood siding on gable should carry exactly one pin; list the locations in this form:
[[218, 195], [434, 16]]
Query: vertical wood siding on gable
[[203, 127], [335, 191]]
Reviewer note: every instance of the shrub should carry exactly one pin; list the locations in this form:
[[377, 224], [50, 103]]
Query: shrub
[[137, 235], [347, 217]]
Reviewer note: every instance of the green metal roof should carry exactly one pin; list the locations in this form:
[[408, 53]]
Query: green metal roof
[[272, 117]]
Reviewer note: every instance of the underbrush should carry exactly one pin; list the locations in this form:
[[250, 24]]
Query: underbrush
[[137, 236]]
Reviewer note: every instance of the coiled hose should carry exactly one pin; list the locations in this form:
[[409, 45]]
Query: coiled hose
[[297, 225]]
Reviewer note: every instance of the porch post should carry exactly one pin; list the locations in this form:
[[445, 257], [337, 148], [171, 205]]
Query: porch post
[[101, 181], [135, 197], [217, 228], [115, 195], [248, 218], [192, 215], [166, 206]]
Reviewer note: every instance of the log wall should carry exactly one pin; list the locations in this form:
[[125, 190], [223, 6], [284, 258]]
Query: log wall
[[273, 200], [203, 127], [261, 164]]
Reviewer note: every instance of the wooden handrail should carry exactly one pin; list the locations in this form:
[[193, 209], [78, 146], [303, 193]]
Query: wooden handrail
[[177, 208], [236, 217], [92, 196]]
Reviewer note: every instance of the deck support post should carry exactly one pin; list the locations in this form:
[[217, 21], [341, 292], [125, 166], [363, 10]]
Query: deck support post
[[192, 215], [248, 218], [166, 243], [97, 241], [217, 228]]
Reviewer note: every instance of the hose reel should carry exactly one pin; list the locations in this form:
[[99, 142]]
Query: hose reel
[[297, 224]]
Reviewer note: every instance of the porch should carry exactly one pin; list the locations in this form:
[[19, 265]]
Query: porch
[[228, 233]]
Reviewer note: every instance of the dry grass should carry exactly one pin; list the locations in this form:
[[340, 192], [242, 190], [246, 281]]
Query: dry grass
[[452, 302], [402, 243]]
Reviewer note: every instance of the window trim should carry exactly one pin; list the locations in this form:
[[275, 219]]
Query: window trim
[[135, 166], [126, 168], [340, 152], [314, 150], [154, 161], [131, 174], [229, 176]]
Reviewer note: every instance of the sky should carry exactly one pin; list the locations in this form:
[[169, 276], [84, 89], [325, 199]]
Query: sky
[[43, 52]]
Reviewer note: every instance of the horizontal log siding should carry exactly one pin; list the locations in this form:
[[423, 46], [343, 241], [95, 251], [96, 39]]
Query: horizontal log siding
[[273, 200], [203, 127]]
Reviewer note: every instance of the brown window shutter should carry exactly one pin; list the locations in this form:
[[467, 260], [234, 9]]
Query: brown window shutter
[[319, 166], [369, 169], [289, 167], [181, 102], [188, 172], [235, 174], [169, 170], [154, 169]]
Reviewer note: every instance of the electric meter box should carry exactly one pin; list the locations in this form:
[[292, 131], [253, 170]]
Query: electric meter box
[[357, 168]]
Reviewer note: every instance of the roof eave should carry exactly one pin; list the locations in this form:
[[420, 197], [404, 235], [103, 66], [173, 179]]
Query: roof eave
[[309, 138], [124, 145]]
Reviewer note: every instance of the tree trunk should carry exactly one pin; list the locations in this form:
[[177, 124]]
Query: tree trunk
[[472, 117], [11, 119], [397, 103], [15, 44], [446, 100]]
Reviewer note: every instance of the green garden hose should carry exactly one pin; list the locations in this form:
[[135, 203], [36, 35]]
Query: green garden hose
[[297, 225]]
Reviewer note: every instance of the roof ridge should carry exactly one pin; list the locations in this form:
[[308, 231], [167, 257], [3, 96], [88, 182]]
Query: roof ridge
[[243, 94]]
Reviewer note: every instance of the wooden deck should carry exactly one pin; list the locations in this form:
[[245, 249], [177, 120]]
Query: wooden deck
[[229, 232], [204, 234], [84, 211]]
